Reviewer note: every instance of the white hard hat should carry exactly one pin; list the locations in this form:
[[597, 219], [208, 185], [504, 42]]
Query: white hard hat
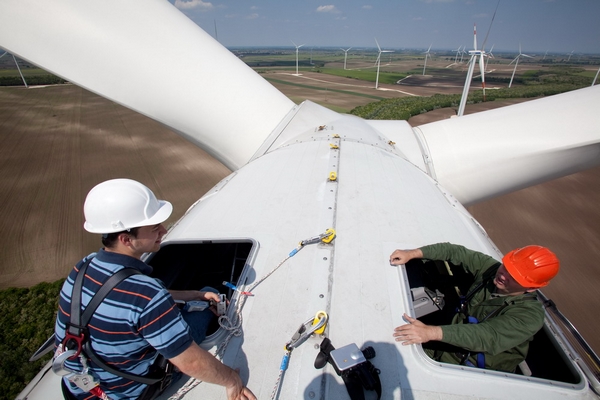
[[120, 204]]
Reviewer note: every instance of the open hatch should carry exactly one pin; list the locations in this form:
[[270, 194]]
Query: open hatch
[[194, 265], [547, 358]]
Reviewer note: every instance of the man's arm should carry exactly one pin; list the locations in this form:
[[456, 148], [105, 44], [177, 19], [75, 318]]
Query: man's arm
[[472, 261], [500, 333], [202, 365], [493, 336], [191, 295]]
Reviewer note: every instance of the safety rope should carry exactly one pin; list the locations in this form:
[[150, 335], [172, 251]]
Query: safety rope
[[302, 334], [234, 325], [282, 368]]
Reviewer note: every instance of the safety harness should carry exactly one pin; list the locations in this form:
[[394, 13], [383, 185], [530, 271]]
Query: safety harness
[[469, 319], [77, 344]]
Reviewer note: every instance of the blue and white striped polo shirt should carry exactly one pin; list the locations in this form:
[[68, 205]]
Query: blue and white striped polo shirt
[[135, 321]]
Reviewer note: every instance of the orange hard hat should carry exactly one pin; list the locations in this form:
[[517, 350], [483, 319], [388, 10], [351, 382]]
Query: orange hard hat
[[531, 266]]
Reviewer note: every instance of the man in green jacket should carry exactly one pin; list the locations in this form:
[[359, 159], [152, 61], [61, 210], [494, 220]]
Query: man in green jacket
[[500, 314]]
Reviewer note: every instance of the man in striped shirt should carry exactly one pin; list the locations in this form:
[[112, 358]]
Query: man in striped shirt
[[138, 319]]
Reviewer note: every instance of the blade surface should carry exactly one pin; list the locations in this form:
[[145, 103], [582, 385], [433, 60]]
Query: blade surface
[[483, 155], [161, 65]]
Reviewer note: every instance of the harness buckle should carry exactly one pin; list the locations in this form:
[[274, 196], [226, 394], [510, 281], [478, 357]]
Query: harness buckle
[[78, 339]]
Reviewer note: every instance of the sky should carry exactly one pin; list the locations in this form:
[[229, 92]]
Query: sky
[[557, 26]]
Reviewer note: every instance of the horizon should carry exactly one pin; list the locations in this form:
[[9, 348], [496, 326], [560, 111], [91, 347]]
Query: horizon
[[308, 48]]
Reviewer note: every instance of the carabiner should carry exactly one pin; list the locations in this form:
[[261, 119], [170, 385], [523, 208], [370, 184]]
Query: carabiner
[[58, 364], [306, 329]]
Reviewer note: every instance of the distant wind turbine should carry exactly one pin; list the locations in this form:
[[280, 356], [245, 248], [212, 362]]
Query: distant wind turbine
[[457, 53], [426, 55], [297, 47], [378, 62], [489, 54], [18, 68], [517, 63], [345, 56], [570, 55], [476, 55]]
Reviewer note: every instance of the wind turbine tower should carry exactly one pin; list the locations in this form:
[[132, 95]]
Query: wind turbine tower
[[297, 47], [476, 55], [427, 54], [378, 62], [516, 63], [345, 56]]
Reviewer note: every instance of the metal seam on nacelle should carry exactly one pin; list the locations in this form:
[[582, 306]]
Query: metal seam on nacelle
[[332, 186], [427, 159], [276, 133]]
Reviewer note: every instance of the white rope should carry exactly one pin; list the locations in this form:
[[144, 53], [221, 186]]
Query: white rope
[[275, 391]]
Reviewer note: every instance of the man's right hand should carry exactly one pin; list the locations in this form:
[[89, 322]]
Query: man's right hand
[[400, 257], [202, 365], [238, 391]]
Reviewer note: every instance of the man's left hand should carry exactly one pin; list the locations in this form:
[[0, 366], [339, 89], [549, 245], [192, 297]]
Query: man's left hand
[[416, 332], [208, 296]]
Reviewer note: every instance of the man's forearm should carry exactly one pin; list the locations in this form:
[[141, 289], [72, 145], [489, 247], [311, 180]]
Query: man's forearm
[[202, 365], [188, 295]]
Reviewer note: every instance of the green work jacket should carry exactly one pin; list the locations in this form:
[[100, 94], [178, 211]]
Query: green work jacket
[[503, 338]]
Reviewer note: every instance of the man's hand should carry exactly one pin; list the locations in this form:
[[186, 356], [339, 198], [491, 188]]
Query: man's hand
[[192, 295], [399, 257], [208, 296], [202, 365], [416, 332], [238, 391]]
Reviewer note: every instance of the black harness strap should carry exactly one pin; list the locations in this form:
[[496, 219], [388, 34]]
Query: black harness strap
[[486, 276], [77, 326]]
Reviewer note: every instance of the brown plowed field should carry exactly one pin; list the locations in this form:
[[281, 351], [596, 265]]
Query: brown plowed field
[[58, 142]]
